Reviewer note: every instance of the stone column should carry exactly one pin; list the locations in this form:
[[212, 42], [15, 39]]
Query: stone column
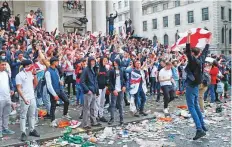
[[51, 15], [135, 15], [99, 16], [88, 10], [109, 7]]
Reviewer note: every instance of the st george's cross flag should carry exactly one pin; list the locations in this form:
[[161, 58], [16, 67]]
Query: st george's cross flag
[[197, 39]]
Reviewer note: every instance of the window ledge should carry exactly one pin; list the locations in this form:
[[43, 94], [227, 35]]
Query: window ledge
[[205, 20]]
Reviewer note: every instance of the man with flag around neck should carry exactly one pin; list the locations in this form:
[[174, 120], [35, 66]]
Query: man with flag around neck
[[138, 87]]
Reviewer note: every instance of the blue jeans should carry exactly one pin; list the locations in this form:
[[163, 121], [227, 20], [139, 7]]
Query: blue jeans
[[177, 85], [79, 94], [140, 99], [158, 87], [116, 100], [111, 30], [212, 93], [182, 85], [193, 106], [153, 85]]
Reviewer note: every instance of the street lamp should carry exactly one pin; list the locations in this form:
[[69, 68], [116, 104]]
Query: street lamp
[[225, 27]]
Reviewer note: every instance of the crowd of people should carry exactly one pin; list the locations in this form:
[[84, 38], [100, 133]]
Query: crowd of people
[[40, 68]]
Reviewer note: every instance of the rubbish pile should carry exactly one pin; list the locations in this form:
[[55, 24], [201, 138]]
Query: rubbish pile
[[161, 131]]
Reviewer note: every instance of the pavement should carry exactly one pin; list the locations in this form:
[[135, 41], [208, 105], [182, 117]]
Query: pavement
[[219, 134]]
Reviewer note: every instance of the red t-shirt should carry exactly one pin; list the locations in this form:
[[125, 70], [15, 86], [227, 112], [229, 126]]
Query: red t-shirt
[[214, 72]]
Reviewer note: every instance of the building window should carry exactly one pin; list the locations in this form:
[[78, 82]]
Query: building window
[[154, 40], [229, 14], [205, 14], [144, 11], [165, 6], [222, 33], [144, 25], [119, 5], [154, 9], [230, 36], [120, 18], [165, 21], [125, 3], [190, 1], [154, 23], [177, 3], [222, 13], [177, 19], [165, 39], [114, 6], [190, 17]]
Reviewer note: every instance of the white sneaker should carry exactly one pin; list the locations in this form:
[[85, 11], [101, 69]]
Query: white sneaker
[[13, 112], [67, 116], [165, 111], [53, 123]]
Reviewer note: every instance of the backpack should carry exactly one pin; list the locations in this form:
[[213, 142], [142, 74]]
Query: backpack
[[206, 79]]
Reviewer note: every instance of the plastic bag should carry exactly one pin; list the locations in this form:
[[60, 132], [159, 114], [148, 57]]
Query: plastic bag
[[63, 123]]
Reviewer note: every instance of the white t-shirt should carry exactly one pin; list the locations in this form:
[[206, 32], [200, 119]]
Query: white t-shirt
[[25, 79], [118, 82], [165, 74], [4, 86], [69, 66], [154, 71]]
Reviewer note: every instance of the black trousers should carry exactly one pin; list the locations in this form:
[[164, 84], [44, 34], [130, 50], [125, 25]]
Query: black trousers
[[64, 98], [69, 81], [169, 94]]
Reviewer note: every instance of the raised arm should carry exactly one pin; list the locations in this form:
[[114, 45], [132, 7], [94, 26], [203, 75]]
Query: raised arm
[[188, 50], [205, 50], [116, 15]]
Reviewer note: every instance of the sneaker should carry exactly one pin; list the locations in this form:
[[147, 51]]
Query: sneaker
[[87, 127], [103, 119], [157, 100], [143, 113], [53, 123], [67, 116], [111, 122], [199, 134], [7, 132], [165, 111], [13, 112], [34, 133], [1, 134], [23, 137], [204, 128], [121, 123], [127, 104], [97, 125], [136, 114]]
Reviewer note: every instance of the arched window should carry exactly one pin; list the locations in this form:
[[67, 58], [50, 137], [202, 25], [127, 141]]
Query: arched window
[[165, 39], [230, 36], [222, 33], [154, 40]]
